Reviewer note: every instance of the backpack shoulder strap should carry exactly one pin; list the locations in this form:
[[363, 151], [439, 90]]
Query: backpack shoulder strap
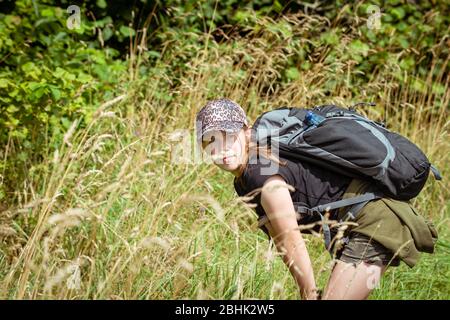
[[364, 198], [437, 175], [357, 204]]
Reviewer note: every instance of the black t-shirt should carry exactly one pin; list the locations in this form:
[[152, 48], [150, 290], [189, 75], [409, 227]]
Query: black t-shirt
[[313, 185]]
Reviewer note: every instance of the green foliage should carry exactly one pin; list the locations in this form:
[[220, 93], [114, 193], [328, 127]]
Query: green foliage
[[412, 26], [49, 77], [114, 187]]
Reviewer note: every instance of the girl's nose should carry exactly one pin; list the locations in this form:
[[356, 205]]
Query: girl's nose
[[223, 144]]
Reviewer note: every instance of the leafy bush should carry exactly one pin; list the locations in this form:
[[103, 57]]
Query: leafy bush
[[49, 77]]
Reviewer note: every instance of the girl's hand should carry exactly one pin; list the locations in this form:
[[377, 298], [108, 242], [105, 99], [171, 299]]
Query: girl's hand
[[313, 294]]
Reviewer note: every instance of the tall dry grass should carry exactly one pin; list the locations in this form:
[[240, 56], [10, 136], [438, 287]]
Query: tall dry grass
[[116, 218]]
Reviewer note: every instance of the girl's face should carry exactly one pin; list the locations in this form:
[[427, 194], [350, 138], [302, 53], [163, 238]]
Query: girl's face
[[226, 149]]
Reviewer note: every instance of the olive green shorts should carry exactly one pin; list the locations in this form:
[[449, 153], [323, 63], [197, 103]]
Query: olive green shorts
[[360, 247]]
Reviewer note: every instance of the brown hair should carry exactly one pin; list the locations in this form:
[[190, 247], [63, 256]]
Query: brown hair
[[257, 150]]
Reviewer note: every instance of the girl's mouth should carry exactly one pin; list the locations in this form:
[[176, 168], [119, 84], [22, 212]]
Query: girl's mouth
[[224, 158], [227, 159]]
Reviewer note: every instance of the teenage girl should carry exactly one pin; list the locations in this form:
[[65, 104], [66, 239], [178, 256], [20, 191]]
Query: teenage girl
[[385, 232]]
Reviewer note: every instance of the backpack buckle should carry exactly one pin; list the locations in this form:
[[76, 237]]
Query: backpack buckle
[[339, 113]]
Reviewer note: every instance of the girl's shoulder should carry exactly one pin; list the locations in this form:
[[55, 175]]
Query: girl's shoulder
[[257, 173]]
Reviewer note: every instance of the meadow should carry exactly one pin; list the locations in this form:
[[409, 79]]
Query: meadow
[[113, 211]]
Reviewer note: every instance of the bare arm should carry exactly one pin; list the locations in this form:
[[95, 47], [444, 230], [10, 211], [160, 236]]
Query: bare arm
[[283, 229]]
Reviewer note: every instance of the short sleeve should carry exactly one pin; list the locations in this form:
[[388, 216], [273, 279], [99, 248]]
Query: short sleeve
[[258, 174], [256, 179]]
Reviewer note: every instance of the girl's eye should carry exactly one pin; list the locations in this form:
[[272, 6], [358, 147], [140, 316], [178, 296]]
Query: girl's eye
[[208, 142]]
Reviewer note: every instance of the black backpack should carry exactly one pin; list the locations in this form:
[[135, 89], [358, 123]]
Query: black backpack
[[348, 143]]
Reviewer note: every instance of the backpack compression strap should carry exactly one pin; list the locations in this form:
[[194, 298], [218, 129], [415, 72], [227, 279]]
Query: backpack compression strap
[[357, 204], [436, 173]]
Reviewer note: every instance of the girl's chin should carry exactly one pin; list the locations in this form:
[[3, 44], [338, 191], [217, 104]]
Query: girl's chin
[[228, 166], [228, 162]]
